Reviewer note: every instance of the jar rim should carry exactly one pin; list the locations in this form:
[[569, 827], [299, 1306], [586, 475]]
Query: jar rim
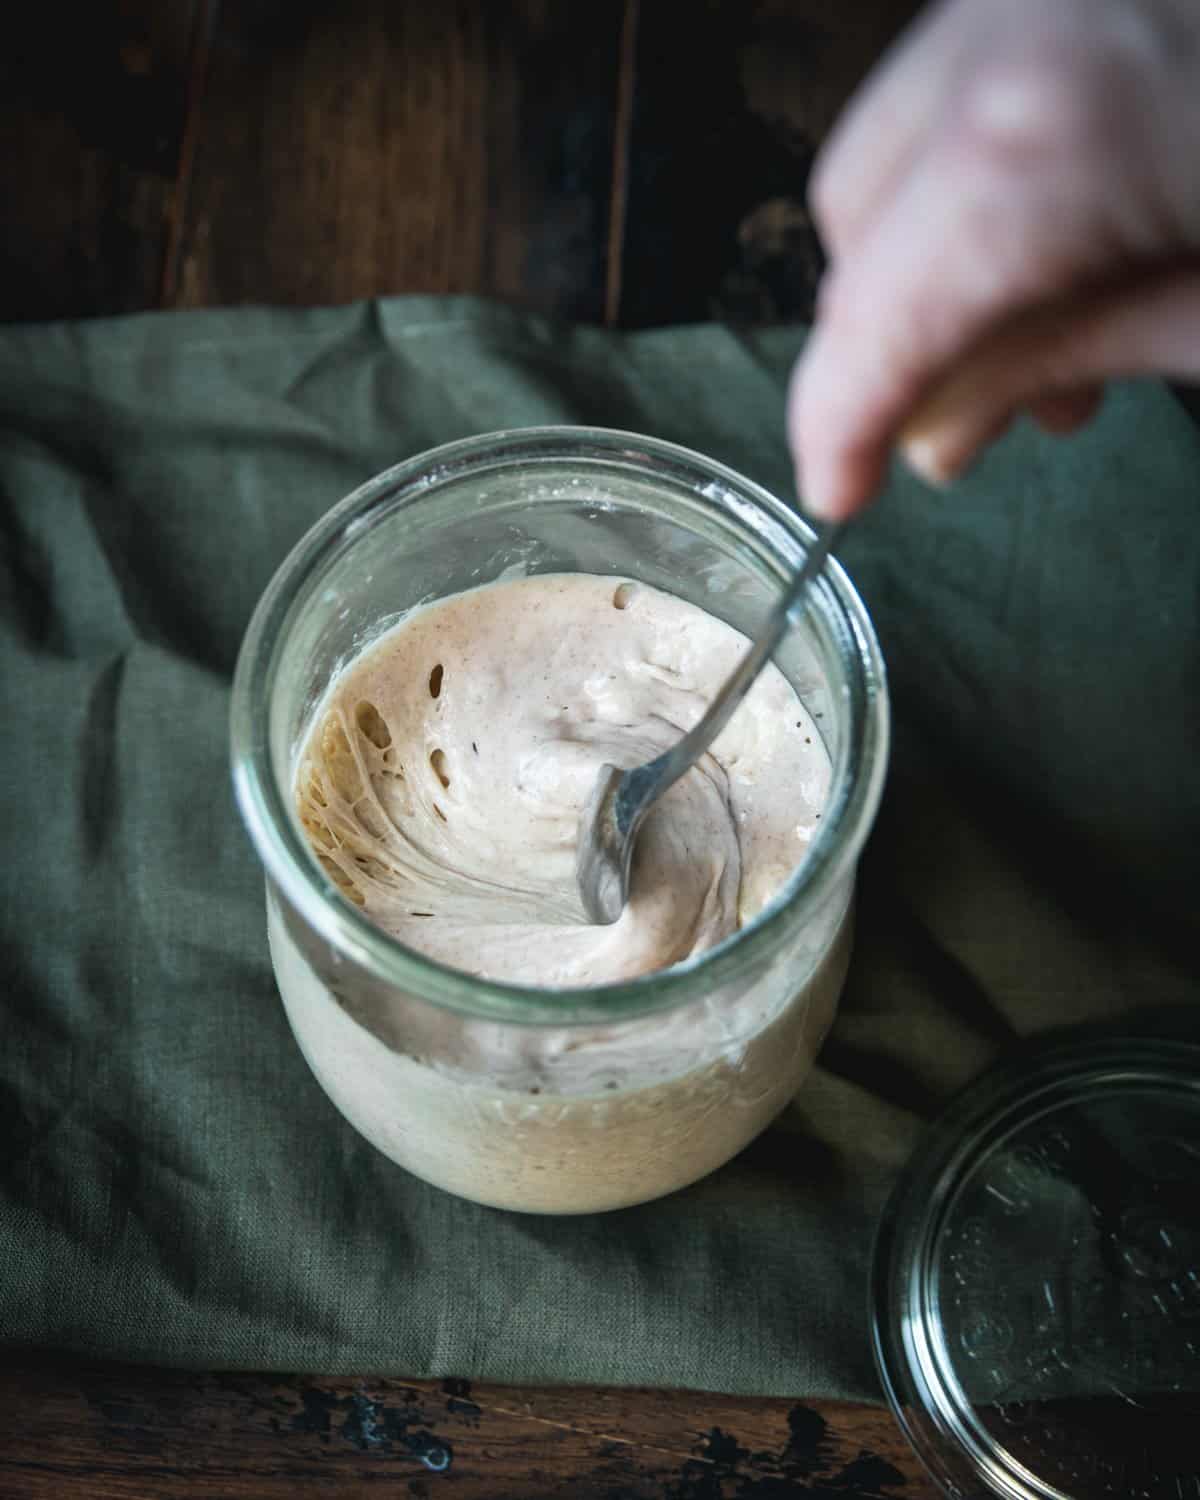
[[1020, 1105], [275, 833]]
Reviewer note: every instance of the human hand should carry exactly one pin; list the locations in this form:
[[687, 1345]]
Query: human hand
[[1011, 207]]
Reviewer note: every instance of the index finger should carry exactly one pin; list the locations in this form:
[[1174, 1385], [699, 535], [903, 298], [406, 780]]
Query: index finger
[[978, 229], [884, 124]]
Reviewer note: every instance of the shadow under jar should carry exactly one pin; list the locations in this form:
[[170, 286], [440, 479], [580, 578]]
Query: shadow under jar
[[554, 1101]]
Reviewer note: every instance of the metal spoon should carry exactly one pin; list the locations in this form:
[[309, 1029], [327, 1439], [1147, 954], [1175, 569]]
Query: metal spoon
[[620, 800]]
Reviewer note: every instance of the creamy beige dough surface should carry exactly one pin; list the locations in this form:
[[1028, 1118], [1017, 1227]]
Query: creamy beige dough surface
[[442, 784]]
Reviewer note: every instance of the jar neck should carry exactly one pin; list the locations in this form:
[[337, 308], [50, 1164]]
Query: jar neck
[[683, 509]]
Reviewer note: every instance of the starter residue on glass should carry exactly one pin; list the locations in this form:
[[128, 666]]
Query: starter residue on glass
[[442, 782]]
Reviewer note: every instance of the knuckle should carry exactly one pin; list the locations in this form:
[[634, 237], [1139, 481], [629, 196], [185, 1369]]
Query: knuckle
[[1052, 106]]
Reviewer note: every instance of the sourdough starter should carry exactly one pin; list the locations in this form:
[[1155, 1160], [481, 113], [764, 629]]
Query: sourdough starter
[[441, 786]]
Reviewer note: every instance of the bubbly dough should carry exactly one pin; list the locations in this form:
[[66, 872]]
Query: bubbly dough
[[443, 779]]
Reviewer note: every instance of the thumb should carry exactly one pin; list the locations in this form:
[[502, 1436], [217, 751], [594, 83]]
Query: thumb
[[1049, 358]]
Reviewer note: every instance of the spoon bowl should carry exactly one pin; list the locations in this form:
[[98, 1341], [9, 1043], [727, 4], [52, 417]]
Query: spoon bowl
[[620, 800]]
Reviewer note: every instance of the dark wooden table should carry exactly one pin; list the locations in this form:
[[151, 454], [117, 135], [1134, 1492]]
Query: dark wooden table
[[620, 161], [113, 1433], [627, 162]]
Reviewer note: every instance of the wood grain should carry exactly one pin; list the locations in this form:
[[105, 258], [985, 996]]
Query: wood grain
[[360, 149], [95, 100], [631, 161], [112, 1433]]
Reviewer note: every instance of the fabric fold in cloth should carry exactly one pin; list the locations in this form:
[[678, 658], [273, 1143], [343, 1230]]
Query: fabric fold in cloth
[[174, 1186]]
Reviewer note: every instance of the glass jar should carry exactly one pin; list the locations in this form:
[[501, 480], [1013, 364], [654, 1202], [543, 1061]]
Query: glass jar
[[1035, 1290], [564, 1101]]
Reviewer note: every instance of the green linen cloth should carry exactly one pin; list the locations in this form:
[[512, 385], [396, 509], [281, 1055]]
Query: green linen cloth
[[175, 1187]]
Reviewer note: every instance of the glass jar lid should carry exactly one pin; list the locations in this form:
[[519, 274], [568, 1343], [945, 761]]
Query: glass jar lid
[[1036, 1281]]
